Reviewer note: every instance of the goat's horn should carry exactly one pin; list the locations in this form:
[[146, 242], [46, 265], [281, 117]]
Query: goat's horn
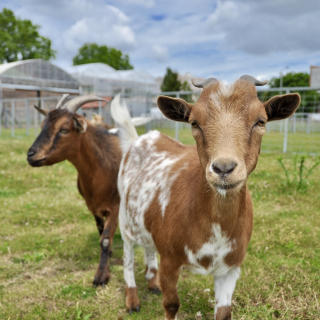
[[74, 104], [203, 83], [254, 80], [62, 100]]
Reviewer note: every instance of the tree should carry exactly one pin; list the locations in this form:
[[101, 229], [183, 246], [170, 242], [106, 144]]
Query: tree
[[186, 87], [291, 79], [309, 99], [91, 52], [170, 81], [20, 39]]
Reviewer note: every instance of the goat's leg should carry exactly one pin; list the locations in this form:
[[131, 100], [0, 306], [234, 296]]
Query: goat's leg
[[224, 287], [100, 224], [168, 276], [151, 274], [102, 275], [132, 300]]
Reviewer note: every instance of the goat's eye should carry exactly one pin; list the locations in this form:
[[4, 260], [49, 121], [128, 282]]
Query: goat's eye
[[64, 130], [260, 123], [194, 124]]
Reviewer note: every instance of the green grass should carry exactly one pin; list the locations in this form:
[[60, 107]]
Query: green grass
[[49, 249]]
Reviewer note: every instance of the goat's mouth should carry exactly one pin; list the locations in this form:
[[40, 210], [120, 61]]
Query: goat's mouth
[[36, 163], [226, 186]]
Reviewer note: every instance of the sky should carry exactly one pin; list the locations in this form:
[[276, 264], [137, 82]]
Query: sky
[[221, 39]]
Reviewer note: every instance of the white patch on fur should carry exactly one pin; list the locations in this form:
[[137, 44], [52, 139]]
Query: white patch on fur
[[224, 286], [128, 263], [114, 130], [146, 174], [217, 247], [105, 242], [151, 261], [222, 192], [226, 90], [223, 91]]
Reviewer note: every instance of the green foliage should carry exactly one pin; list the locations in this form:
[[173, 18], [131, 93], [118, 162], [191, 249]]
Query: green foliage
[[75, 292], [20, 39], [186, 87], [81, 316], [91, 53], [291, 79], [170, 81], [297, 173]]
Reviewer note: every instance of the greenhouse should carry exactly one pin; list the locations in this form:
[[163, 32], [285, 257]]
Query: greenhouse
[[101, 79], [34, 78]]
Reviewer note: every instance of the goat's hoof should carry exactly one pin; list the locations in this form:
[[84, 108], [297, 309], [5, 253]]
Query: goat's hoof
[[154, 290], [100, 281], [137, 309], [132, 300]]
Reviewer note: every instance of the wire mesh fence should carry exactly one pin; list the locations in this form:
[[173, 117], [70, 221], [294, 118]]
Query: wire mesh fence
[[298, 134]]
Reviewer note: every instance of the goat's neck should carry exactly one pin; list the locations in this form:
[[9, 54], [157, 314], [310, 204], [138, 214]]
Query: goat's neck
[[93, 154]]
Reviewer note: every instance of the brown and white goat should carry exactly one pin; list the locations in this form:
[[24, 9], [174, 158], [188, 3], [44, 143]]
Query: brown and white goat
[[192, 204], [96, 154], [97, 120]]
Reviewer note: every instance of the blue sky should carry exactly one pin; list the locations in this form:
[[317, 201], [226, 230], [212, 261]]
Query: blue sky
[[222, 39]]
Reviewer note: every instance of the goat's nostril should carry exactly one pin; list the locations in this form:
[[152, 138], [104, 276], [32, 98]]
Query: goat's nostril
[[223, 168], [31, 153]]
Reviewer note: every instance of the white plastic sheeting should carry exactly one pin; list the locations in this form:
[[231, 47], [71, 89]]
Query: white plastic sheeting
[[35, 72], [101, 79]]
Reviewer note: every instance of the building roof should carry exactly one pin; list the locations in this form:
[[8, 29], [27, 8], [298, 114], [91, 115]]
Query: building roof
[[37, 74], [105, 72]]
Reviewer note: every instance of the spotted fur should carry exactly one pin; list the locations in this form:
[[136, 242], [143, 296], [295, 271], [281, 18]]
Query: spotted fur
[[191, 204]]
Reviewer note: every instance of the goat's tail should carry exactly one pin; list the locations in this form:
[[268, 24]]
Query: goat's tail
[[122, 118]]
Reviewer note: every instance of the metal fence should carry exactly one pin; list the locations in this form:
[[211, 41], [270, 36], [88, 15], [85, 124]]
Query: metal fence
[[298, 134]]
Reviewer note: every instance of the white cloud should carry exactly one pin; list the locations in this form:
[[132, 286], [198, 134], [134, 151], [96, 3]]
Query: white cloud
[[143, 3], [224, 39], [160, 53]]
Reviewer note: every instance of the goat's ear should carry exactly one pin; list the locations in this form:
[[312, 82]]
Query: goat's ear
[[282, 107], [174, 109], [42, 111], [80, 124]]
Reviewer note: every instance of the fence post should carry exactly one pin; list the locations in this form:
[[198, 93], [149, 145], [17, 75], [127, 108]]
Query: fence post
[[148, 111], [42, 107], [285, 137], [12, 117], [35, 121], [100, 111], [177, 124], [0, 115], [294, 123], [308, 123], [27, 116]]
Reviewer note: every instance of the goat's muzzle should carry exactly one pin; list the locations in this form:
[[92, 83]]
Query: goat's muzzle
[[32, 161], [226, 173]]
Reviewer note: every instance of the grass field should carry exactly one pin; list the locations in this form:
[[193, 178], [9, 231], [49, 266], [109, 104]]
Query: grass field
[[49, 249]]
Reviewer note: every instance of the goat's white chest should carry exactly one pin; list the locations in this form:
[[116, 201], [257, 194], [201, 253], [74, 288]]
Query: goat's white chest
[[213, 251]]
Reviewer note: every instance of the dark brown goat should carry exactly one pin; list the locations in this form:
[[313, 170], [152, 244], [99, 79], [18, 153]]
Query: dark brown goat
[[96, 154]]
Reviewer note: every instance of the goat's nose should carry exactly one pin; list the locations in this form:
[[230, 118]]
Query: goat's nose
[[31, 153], [223, 168]]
